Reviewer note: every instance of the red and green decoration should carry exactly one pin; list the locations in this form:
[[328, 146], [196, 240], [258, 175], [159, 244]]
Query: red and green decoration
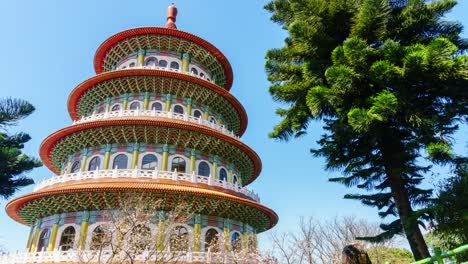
[[56, 149], [129, 42], [87, 95], [39, 205]]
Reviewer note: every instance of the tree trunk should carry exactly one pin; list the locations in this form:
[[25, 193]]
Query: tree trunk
[[410, 225], [395, 157], [353, 255]]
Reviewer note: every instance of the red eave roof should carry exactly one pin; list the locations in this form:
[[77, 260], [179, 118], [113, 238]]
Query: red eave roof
[[75, 95], [48, 144], [113, 40]]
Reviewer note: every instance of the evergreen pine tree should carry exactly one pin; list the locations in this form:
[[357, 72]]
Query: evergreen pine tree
[[450, 208], [13, 163], [388, 78]]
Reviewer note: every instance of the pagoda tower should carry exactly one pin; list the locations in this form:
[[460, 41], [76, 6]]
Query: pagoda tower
[[157, 119]]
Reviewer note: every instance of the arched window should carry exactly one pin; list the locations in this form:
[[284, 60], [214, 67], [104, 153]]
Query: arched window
[[174, 65], [223, 174], [98, 239], [178, 164], [203, 169], [152, 61], [43, 240], [194, 71], [140, 237], [156, 106], [178, 109], [67, 239], [101, 109], [211, 240], [115, 107], [179, 239], [236, 242], [163, 63], [75, 167], [131, 65], [197, 113], [212, 120], [202, 75], [94, 163], [120, 162], [234, 179], [150, 162], [135, 106]]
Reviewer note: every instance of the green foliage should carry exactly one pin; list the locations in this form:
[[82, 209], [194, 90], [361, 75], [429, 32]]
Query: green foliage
[[13, 163], [12, 110], [383, 254], [450, 210], [371, 21], [388, 79], [440, 151], [446, 242], [383, 106]]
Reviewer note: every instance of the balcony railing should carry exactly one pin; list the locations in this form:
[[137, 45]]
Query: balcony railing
[[156, 113], [146, 174], [439, 256], [154, 67], [93, 256]]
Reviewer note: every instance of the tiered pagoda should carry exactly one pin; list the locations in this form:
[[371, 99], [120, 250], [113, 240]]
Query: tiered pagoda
[[157, 119]]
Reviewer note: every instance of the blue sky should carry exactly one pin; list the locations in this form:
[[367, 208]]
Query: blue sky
[[48, 49]]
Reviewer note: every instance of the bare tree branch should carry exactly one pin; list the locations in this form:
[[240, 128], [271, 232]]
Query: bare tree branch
[[322, 241]]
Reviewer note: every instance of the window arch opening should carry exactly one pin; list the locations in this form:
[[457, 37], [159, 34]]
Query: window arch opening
[[236, 242], [94, 163], [149, 162], [99, 239], [156, 106], [75, 167], [223, 174], [140, 237], [101, 109], [211, 240], [178, 109], [43, 240], [67, 239], [163, 63], [174, 65], [179, 239], [151, 62], [178, 164], [116, 107], [120, 162], [135, 106], [203, 169], [197, 114]]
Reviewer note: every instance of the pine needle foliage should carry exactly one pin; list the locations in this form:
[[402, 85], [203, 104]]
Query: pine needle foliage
[[13, 163], [450, 222], [388, 80]]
